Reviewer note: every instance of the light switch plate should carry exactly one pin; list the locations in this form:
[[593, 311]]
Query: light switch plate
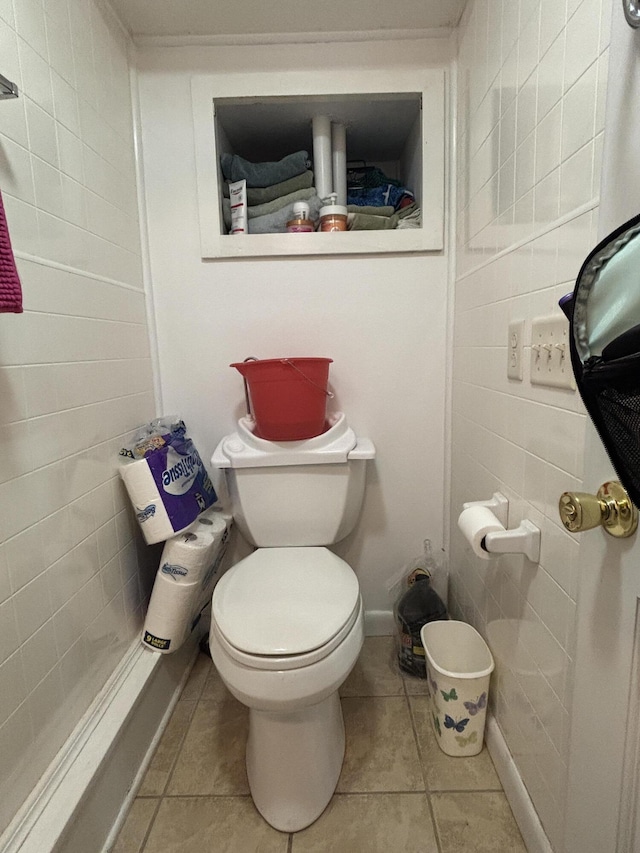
[[515, 346], [550, 356]]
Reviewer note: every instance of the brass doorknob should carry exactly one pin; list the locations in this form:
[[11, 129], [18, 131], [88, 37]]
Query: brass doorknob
[[611, 507]]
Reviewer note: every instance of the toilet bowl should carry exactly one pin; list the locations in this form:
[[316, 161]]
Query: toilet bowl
[[287, 628], [287, 621]]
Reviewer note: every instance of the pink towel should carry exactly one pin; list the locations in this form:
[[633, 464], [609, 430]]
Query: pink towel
[[10, 289]]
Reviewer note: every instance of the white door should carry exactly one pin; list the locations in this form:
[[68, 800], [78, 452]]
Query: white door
[[603, 810]]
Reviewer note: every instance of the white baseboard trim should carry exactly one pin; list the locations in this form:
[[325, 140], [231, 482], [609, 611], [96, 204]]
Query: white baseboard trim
[[379, 623], [80, 798], [526, 817]]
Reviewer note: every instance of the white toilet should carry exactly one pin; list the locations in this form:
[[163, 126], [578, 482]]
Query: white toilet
[[287, 621]]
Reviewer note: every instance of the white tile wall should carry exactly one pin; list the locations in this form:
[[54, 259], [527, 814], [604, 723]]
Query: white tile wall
[[75, 377], [531, 84]]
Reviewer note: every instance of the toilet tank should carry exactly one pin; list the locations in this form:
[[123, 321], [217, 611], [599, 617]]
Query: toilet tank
[[295, 493]]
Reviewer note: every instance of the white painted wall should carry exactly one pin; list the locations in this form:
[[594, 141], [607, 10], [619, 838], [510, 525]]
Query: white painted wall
[[75, 377], [532, 81], [531, 90], [381, 318]]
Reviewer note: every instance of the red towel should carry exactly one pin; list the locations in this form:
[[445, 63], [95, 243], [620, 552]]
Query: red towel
[[10, 289]]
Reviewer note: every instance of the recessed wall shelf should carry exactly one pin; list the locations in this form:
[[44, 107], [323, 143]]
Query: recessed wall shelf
[[394, 121]]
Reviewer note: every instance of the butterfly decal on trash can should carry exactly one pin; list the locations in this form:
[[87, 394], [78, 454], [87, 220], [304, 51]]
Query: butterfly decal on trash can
[[465, 741], [458, 725], [478, 705]]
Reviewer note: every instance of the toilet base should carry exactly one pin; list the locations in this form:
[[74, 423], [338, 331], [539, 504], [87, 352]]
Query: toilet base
[[294, 761]]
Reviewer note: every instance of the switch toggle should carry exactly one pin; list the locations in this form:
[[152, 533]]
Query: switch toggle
[[550, 361]]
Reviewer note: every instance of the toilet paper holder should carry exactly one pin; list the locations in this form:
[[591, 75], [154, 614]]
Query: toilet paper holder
[[524, 539], [498, 504]]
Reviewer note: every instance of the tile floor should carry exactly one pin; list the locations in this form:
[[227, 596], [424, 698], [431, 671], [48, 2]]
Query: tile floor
[[397, 790]]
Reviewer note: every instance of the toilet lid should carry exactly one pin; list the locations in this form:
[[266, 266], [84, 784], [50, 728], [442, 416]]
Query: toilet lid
[[285, 601]]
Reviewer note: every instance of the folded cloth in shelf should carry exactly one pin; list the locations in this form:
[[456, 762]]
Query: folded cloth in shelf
[[236, 168], [369, 222], [10, 289], [407, 200], [371, 209], [388, 195], [368, 177], [407, 217], [408, 210], [276, 223], [261, 195], [253, 211]]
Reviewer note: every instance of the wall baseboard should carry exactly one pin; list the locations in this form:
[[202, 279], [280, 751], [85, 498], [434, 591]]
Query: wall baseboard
[[526, 817], [379, 623], [81, 799]]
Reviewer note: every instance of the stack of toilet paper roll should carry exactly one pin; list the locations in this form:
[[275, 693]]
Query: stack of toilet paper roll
[[168, 489], [188, 572]]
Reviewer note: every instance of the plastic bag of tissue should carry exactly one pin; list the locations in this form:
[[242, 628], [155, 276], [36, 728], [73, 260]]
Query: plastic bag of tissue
[[156, 434], [417, 605], [165, 479]]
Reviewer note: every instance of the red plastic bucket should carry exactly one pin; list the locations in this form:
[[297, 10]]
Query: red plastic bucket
[[288, 396]]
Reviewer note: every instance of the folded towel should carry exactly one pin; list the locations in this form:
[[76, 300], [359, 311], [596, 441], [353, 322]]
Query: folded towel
[[276, 223], [371, 209], [253, 211], [409, 211], [369, 177], [10, 289], [260, 195], [406, 217], [413, 219], [236, 168], [369, 222], [379, 196]]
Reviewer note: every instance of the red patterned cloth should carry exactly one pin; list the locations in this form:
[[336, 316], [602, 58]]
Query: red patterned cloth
[[10, 289]]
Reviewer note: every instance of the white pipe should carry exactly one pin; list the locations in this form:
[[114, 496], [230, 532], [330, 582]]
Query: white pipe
[[321, 126], [339, 152]]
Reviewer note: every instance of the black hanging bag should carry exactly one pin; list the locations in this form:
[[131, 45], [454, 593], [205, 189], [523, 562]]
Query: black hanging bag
[[605, 347]]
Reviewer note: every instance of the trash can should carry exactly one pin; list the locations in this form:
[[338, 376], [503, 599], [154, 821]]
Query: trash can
[[459, 665]]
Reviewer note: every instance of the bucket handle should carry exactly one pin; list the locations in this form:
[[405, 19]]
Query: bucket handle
[[246, 386], [288, 361]]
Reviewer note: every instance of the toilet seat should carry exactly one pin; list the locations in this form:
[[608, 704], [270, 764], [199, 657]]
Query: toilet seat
[[287, 662], [282, 608]]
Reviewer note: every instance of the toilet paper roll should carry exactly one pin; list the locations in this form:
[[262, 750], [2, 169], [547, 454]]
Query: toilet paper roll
[[147, 502], [475, 522], [187, 557], [185, 581], [169, 488], [169, 617]]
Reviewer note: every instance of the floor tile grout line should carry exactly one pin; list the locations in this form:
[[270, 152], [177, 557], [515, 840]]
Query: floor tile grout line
[[195, 796], [399, 695], [211, 668], [196, 702], [180, 746], [427, 791], [372, 695], [411, 699], [143, 846], [390, 791]]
